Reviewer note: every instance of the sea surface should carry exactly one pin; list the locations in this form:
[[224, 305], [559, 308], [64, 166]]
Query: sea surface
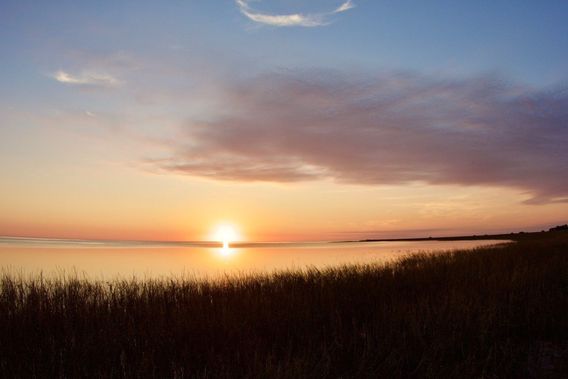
[[126, 259]]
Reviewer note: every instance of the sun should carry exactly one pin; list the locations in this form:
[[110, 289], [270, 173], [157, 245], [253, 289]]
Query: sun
[[226, 234]]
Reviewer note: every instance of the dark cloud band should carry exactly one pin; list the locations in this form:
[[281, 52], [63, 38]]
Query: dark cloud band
[[384, 129]]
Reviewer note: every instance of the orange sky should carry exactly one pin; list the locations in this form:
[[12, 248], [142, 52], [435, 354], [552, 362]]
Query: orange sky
[[76, 194]]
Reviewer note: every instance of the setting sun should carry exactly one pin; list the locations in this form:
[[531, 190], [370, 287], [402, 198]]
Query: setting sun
[[225, 234]]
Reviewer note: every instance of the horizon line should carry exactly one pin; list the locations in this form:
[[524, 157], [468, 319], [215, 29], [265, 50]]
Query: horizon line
[[245, 243]]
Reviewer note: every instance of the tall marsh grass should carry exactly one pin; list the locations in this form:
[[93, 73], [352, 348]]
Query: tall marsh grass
[[484, 313]]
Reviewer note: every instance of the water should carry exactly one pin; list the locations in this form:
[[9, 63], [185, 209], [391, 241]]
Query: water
[[125, 259]]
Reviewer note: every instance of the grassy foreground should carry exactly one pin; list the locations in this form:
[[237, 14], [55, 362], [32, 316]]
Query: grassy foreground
[[486, 313]]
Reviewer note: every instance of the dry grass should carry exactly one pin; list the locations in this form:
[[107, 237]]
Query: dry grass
[[484, 313]]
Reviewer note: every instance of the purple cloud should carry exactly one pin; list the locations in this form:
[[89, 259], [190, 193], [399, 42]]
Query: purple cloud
[[383, 129]]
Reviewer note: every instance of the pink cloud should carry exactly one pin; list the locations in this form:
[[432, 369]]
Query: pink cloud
[[383, 129]]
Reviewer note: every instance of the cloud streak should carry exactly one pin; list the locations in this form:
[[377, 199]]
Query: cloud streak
[[87, 78], [293, 19], [345, 7], [382, 130]]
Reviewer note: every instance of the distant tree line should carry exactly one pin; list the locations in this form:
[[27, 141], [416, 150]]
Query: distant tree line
[[559, 228]]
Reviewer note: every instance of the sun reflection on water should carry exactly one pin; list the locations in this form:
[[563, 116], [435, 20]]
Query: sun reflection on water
[[226, 251], [226, 234]]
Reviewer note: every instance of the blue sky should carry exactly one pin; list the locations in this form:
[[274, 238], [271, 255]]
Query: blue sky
[[523, 40]]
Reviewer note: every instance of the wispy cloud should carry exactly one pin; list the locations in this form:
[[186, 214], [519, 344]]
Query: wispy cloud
[[292, 19], [383, 129], [345, 7], [87, 78]]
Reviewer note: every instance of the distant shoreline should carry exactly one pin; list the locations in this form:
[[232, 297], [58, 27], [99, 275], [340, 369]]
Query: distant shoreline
[[474, 237]]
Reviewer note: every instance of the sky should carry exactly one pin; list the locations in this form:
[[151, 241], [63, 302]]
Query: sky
[[291, 120]]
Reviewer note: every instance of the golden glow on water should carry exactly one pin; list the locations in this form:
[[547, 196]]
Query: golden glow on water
[[100, 261], [226, 251]]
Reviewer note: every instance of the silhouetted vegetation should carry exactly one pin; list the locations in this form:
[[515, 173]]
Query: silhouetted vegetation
[[485, 313], [559, 228]]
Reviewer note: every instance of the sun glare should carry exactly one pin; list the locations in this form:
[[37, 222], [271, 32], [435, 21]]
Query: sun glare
[[226, 234]]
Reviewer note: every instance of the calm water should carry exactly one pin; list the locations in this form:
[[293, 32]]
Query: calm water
[[108, 259]]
